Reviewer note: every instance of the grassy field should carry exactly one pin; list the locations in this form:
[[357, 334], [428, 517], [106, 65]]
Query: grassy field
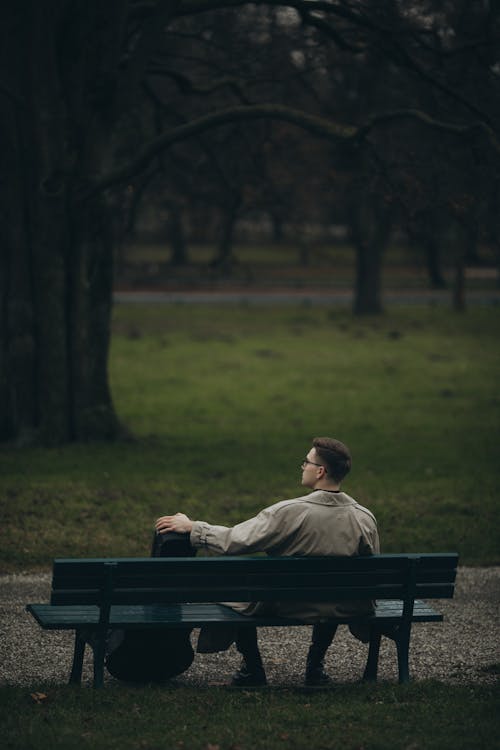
[[417, 717], [221, 404]]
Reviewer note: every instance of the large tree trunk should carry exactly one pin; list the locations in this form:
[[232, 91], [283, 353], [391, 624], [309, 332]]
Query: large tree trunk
[[425, 232], [18, 361], [56, 287], [224, 259], [458, 295], [176, 238], [371, 229], [433, 263]]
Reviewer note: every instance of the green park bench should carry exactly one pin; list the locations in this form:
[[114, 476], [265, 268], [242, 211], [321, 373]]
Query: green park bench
[[91, 596]]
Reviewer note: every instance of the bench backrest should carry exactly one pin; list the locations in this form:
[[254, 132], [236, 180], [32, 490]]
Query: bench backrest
[[108, 581]]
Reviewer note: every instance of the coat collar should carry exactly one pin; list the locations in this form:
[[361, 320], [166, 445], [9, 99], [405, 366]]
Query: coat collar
[[323, 497]]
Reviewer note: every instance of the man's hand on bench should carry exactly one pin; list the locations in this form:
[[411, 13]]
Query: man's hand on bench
[[179, 523]]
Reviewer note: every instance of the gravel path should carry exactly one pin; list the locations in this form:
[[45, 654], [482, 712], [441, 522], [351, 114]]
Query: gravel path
[[465, 648]]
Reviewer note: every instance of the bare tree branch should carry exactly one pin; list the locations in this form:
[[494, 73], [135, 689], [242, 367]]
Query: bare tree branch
[[423, 117], [190, 7], [317, 126], [325, 28], [386, 39], [186, 86], [151, 35]]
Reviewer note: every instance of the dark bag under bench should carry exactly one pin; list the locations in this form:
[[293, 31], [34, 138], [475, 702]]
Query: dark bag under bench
[[92, 596]]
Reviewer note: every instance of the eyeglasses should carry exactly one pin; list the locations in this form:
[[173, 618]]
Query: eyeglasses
[[306, 461]]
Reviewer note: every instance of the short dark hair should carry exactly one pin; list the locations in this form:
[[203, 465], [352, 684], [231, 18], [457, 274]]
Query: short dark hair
[[335, 456]]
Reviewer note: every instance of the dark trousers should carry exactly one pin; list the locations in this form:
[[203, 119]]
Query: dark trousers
[[322, 637], [247, 645]]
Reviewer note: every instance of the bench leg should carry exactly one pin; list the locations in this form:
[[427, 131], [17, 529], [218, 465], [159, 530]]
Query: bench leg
[[404, 670], [403, 647], [75, 677], [99, 654], [370, 673]]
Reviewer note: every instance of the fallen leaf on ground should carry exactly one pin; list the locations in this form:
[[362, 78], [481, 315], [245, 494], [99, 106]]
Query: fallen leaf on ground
[[39, 697]]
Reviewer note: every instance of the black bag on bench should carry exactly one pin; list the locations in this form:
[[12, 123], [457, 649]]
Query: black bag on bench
[[153, 655]]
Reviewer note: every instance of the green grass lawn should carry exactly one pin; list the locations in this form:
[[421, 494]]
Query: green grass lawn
[[222, 402], [424, 716]]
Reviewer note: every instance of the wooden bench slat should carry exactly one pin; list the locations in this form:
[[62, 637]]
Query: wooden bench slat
[[195, 615], [244, 564], [251, 593], [306, 580]]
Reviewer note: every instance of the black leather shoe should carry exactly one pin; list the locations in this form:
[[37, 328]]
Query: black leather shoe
[[317, 677], [315, 668], [246, 677]]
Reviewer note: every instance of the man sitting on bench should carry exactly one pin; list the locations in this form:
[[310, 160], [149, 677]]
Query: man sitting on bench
[[326, 521]]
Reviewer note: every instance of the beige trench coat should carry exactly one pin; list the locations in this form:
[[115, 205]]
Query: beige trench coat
[[321, 523]]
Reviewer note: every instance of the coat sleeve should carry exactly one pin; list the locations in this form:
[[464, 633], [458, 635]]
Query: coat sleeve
[[257, 534], [370, 542]]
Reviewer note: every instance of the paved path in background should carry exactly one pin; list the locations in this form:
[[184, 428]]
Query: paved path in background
[[463, 649], [337, 297]]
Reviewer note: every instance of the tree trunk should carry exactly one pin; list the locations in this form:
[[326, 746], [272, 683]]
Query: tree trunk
[[56, 287], [459, 239], [493, 225], [18, 361], [304, 247], [425, 233], [433, 262], [371, 229], [224, 257], [459, 304], [472, 256], [278, 227], [368, 298], [90, 287], [175, 231]]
